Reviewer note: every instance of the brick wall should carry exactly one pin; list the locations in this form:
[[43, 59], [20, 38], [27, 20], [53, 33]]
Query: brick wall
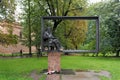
[[4, 27], [15, 48]]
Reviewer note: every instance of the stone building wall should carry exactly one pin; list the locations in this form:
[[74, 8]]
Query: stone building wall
[[13, 48]]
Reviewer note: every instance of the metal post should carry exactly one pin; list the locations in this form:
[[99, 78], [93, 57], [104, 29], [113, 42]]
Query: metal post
[[97, 36]]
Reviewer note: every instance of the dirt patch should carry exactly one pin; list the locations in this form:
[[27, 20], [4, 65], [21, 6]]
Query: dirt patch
[[34, 75]]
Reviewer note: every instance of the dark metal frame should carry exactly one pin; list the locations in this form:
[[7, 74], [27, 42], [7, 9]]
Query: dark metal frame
[[73, 18]]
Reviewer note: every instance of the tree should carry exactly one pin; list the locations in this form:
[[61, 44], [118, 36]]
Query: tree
[[37, 9], [67, 8], [62, 8], [72, 33], [8, 38], [112, 22], [47, 8], [108, 12], [7, 8], [29, 27]]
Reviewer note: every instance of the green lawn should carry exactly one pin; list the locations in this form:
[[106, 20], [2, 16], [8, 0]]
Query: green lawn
[[19, 69]]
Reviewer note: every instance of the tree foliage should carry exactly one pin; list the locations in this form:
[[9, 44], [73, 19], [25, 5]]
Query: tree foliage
[[63, 8], [37, 9], [49, 8], [7, 8], [7, 38], [78, 33], [113, 24], [72, 34], [109, 13]]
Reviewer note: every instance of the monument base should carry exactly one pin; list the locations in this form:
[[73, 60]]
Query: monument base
[[54, 61], [53, 77]]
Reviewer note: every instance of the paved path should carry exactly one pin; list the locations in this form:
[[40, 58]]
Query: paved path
[[81, 75], [89, 75]]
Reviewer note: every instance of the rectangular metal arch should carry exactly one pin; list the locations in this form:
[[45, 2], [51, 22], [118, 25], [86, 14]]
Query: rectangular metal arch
[[70, 18], [73, 18]]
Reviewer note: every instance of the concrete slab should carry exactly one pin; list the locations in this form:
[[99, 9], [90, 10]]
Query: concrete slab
[[88, 75]]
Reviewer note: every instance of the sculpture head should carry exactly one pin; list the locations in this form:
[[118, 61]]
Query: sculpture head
[[48, 29]]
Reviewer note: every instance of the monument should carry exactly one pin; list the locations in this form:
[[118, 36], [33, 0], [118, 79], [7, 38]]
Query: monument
[[52, 46], [50, 42]]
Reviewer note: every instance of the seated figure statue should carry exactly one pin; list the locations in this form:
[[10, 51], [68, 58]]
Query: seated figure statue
[[50, 41]]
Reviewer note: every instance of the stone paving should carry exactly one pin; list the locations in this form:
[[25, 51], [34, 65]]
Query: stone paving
[[68, 74], [88, 75]]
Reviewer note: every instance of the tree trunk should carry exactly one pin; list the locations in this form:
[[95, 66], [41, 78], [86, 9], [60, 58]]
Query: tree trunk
[[56, 23], [39, 53], [21, 52], [117, 53], [76, 47], [29, 26], [54, 26]]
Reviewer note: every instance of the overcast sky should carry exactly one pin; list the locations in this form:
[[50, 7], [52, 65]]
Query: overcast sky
[[94, 1]]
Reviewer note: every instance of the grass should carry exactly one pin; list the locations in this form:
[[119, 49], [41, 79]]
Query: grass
[[103, 78], [43, 77], [20, 68]]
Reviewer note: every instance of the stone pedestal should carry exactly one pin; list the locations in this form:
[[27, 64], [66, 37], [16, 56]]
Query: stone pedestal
[[54, 61], [53, 77]]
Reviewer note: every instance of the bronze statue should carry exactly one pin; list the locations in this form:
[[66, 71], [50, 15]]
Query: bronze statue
[[50, 41]]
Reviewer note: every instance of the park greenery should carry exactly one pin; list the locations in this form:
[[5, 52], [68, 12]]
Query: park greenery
[[109, 13], [7, 10], [78, 34], [72, 35], [21, 68], [50, 8]]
